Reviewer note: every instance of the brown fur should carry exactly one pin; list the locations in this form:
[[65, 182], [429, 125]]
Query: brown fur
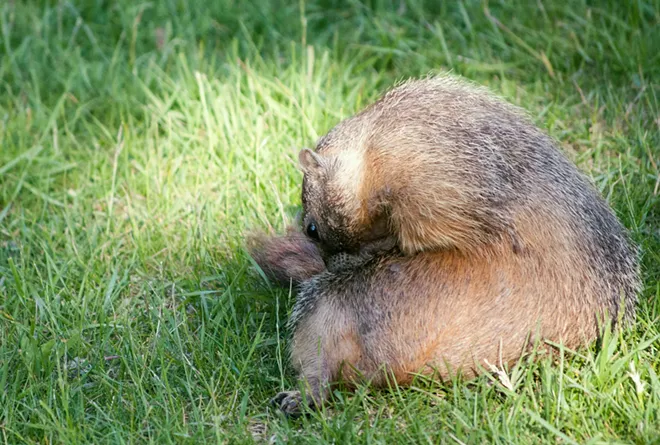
[[288, 259], [462, 234]]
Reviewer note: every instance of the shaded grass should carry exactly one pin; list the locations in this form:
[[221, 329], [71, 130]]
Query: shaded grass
[[139, 141]]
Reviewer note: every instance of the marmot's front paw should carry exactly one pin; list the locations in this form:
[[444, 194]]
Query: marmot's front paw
[[290, 402]]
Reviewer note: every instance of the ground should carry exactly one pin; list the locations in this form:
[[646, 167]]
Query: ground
[[139, 141]]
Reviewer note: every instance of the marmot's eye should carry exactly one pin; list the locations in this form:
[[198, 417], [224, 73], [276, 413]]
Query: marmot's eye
[[312, 231]]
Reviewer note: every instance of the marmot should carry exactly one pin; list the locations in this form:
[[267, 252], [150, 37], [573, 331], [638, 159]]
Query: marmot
[[443, 229]]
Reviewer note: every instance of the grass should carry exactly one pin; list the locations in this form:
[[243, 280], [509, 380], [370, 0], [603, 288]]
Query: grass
[[140, 140]]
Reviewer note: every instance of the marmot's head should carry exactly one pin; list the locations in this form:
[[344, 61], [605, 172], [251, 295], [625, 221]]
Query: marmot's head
[[338, 211]]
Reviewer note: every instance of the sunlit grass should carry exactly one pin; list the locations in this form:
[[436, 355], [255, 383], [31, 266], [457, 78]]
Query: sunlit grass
[[140, 141]]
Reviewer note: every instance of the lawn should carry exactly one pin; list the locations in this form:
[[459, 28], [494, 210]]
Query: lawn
[[140, 141]]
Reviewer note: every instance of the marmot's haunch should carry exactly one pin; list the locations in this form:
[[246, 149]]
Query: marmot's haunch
[[443, 229]]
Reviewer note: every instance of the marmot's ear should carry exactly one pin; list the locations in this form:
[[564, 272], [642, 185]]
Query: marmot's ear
[[310, 162]]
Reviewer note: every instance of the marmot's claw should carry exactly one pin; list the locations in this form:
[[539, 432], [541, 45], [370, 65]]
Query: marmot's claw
[[290, 402], [277, 400]]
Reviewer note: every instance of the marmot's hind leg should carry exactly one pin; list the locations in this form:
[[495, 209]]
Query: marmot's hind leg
[[287, 258]]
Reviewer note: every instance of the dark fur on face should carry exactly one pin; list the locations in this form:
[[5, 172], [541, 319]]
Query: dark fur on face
[[335, 230]]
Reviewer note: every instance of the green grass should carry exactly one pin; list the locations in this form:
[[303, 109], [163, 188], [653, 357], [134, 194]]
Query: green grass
[[139, 141]]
